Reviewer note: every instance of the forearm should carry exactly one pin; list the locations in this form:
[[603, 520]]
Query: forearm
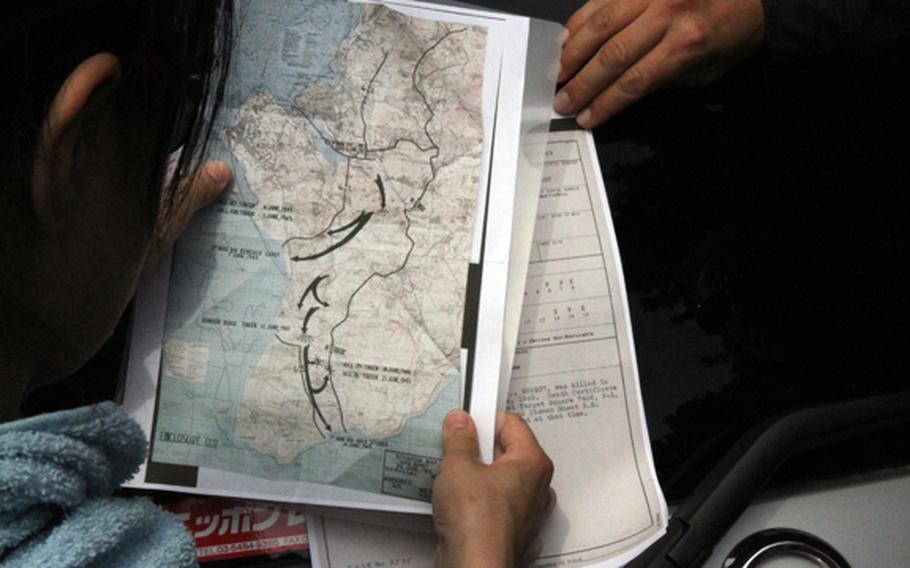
[[482, 552]]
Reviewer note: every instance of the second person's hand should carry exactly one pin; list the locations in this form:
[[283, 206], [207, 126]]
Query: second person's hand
[[618, 51], [488, 516]]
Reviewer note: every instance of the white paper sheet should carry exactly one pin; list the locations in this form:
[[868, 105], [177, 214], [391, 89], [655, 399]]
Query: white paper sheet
[[340, 543], [575, 378]]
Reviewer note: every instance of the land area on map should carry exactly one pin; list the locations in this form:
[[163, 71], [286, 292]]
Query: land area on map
[[315, 314]]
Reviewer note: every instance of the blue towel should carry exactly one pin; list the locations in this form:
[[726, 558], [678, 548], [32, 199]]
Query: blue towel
[[57, 472]]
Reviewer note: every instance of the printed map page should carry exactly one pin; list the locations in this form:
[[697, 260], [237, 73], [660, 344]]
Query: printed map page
[[314, 318]]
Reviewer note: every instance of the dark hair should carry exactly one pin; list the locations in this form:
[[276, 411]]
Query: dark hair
[[174, 56]]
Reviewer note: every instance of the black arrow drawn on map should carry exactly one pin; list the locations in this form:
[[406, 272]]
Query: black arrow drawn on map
[[312, 392], [381, 187], [311, 289], [355, 226], [306, 318]]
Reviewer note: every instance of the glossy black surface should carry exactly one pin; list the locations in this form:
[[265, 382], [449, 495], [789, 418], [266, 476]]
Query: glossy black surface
[[763, 228]]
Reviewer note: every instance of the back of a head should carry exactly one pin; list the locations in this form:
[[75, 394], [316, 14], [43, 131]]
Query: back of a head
[[173, 56], [168, 51]]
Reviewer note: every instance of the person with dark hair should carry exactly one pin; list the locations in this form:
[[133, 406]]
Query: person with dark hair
[[97, 95], [93, 95]]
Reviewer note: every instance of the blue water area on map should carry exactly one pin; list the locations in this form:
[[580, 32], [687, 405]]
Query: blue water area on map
[[284, 63], [281, 47]]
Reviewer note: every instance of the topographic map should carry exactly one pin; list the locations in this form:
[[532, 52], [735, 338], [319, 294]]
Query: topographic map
[[314, 317]]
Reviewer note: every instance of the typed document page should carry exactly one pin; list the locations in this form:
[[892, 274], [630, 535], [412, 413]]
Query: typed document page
[[574, 380]]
